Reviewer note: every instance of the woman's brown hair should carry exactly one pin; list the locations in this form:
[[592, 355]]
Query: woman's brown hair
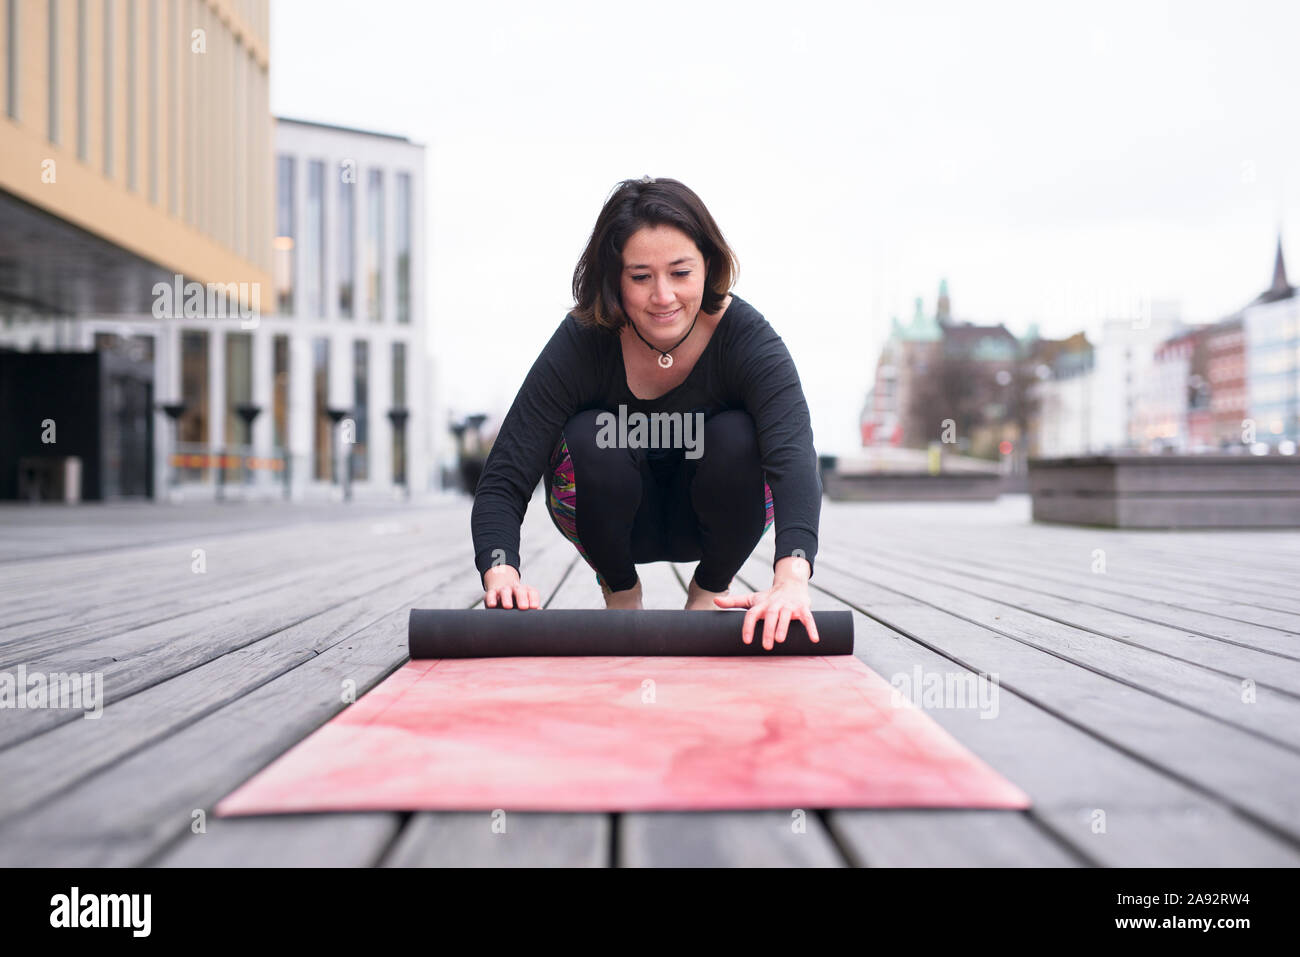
[[636, 203]]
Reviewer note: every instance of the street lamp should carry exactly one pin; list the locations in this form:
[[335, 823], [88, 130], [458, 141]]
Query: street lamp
[[336, 416], [248, 412], [174, 411], [398, 417]]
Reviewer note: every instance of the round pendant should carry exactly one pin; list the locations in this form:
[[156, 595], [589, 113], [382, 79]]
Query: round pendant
[[665, 360]]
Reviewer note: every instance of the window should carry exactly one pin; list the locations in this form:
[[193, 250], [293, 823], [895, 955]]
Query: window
[[108, 88], [360, 409], [403, 247], [11, 58], [322, 426], [375, 245], [83, 96], [347, 244], [284, 235], [130, 96], [399, 375], [280, 392], [313, 241], [193, 424], [239, 386], [399, 402], [173, 109], [52, 62], [153, 101]]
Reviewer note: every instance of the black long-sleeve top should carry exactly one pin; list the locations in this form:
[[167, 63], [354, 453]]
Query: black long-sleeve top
[[745, 365]]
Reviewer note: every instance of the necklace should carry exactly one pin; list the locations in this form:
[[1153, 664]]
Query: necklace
[[665, 360]]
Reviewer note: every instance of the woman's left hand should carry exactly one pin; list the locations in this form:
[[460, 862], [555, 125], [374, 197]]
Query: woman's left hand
[[787, 599]]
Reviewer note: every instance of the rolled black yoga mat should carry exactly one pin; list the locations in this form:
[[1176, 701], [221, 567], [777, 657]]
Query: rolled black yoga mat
[[511, 632]]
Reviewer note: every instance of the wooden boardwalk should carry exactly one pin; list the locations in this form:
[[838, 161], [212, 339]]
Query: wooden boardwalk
[[1148, 685]]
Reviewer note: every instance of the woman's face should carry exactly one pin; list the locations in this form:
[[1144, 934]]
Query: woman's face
[[662, 282]]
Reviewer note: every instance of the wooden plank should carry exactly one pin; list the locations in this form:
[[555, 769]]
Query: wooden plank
[[1176, 569], [1173, 574], [129, 811], [1267, 669], [363, 838], [530, 839], [182, 594], [1229, 621], [785, 838], [941, 837], [300, 840], [984, 836], [142, 658], [348, 568], [1010, 516], [1225, 619], [794, 838], [1078, 743], [48, 531], [1066, 770], [1212, 691], [58, 758], [107, 583], [504, 839]]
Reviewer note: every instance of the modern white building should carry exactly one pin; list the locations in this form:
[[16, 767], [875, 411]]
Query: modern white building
[[346, 328], [343, 329], [1122, 363], [1064, 399]]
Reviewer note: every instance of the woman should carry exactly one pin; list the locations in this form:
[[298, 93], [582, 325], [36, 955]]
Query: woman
[[667, 421]]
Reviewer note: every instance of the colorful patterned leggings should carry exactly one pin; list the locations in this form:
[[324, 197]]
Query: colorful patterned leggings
[[712, 509]]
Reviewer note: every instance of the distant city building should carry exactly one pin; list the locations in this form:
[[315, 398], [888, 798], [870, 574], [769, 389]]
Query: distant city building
[[1151, 383], [1163, 416], [1062, 396], [1226, 374], [1271, 344], [936, 369], [907, 354]]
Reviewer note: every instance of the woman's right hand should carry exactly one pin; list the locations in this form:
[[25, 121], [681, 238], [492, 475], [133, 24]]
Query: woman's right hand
[[505, 588]]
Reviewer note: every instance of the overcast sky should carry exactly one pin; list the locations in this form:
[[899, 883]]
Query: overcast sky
[[1056, 162]]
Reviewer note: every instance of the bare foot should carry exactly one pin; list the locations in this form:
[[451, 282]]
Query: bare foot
[[629, 599], [697, 599]]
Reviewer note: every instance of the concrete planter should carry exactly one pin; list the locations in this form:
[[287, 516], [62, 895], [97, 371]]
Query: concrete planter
[[1168, 491]]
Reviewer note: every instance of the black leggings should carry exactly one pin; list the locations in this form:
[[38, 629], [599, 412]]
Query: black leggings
[[620, 510]]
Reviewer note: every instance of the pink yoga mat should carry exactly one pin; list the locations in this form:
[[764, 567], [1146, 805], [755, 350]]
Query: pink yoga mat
[[627, 734]]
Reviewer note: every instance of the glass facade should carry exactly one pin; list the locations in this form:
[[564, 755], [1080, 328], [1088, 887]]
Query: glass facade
[[280, 392], [403, 226], [375, 245], [284, 235], [361, 409], [347, 264], [239, 385], [193, 424], [323, 446], [399, 402], [11, 58], [313, 241]]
